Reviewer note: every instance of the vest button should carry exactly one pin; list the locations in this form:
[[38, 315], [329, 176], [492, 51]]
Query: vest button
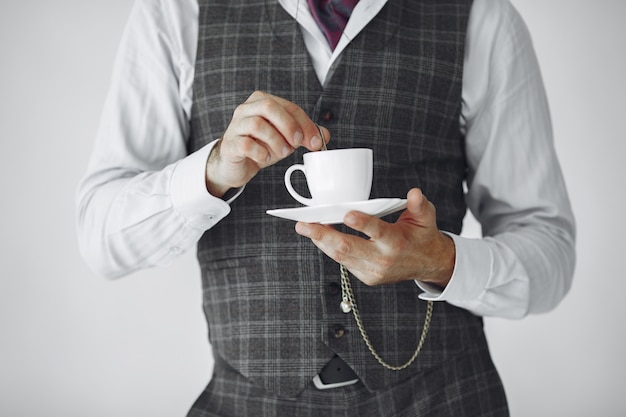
[[333, 288], [338, 331], [327, 116]]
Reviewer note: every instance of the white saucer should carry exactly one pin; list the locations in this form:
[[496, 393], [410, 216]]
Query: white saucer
[[334, 213]]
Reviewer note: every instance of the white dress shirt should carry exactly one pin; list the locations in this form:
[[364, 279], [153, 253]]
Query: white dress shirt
[[144, 201]]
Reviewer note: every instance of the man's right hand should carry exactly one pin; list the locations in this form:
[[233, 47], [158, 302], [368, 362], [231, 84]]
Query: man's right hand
[[264, 130]]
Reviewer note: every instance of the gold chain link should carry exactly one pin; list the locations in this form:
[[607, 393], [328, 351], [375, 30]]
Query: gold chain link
[[349, 304]]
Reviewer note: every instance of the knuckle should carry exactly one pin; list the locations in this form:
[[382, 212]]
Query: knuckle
[[247, 145], [340, 252], [256, 95], [338, 256], [256, 123], [343, 246], [316, 233], [238, 110], [293, 108], [267, 105]]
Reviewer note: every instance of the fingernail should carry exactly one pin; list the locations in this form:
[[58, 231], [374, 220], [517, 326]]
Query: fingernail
[[297, 138], [316, 142], [286, 151]]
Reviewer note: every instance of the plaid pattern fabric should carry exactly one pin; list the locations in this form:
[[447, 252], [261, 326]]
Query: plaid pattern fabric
[[270, 296], [466, 386]]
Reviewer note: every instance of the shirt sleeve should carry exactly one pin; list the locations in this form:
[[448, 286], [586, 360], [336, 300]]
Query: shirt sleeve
[[524, 263], [143, 200]]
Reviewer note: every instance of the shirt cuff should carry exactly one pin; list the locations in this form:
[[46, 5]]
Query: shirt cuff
[[472, 273], [189, 195]]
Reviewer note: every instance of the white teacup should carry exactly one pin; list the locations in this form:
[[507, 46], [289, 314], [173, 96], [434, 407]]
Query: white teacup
[[335, 176]]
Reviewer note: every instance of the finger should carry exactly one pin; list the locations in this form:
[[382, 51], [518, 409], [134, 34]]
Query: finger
[[352, 251], [248, 147], [369, 225], [362, 257], [324, 136], [306, 132], [419, 210], [239, 143], [313, 139], [313, 231], [285, 116], [267, 137], [377, 254]]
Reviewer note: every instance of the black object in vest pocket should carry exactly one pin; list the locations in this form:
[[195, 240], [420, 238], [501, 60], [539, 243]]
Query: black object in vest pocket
[[336, 371]]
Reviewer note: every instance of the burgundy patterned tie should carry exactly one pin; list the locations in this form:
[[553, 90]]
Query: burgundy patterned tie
[[331, 17]]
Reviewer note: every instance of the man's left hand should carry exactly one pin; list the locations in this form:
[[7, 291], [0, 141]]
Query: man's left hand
[[412, 248]]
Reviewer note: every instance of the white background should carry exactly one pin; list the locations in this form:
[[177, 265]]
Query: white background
[[74, 344]]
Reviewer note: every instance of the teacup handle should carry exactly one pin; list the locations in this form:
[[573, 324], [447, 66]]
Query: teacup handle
[[297, 167]]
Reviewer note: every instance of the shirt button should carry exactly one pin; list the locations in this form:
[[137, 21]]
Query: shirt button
[[338, 331], [327, 116], [333, 288]]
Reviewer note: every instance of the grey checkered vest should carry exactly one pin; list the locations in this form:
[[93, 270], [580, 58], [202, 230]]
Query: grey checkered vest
[[271, 297]]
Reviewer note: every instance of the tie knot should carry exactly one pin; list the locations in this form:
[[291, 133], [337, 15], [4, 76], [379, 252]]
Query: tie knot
[[332, 16]]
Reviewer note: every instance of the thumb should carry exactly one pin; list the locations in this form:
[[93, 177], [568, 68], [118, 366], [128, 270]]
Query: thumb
[[419, 210]]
